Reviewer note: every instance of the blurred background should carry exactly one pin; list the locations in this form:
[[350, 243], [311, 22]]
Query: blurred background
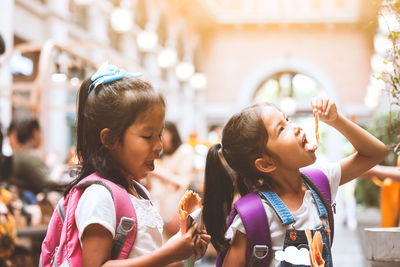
[[210, 58]]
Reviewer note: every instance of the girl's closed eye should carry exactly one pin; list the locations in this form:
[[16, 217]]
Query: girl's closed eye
[[147, 137]]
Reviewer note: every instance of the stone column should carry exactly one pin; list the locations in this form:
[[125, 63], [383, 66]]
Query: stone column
[[7, 32], [56, 130]]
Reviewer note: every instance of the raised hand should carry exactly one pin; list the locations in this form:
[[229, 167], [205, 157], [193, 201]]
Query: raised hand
[[325, 108]]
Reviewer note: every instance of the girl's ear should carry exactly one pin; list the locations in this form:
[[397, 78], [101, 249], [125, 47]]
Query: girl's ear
[[265, 164], [105, 138]]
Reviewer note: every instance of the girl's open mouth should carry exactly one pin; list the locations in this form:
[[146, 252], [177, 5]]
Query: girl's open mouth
[[150, 165], [308, 146]]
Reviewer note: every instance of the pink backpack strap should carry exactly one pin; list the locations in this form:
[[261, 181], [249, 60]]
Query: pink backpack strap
[[126, 220]]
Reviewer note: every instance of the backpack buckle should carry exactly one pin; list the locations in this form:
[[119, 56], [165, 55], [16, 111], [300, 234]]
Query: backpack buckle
[[125, 226], [258, 255]]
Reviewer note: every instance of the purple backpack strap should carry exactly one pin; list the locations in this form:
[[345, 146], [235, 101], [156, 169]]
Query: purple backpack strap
[[255, 222], [254, 218], [319, 179]]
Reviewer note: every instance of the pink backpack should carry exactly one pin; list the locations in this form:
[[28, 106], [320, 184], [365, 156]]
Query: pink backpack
[[61, 246]]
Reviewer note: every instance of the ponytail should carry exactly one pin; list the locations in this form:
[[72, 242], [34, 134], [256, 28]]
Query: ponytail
[[218, 197], [80, 130]]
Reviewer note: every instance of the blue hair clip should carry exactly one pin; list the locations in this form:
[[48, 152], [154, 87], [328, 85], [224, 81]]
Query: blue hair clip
[[109, 73]]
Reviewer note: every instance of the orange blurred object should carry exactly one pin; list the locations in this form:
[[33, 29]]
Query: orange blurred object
[[390, 201], [315, 245], [316, 127], [189, 202]]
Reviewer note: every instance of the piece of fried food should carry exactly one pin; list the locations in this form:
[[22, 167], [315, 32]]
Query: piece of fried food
[[189, 202]]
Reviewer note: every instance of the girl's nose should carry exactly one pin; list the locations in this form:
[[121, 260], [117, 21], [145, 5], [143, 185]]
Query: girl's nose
[[297, 129], [158, 147]]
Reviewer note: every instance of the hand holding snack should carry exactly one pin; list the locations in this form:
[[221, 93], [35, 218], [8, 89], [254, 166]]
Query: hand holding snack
[[325, 108], [201, 244], [190, 212]]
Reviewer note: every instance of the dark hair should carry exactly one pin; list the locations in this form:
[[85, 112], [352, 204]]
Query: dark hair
[[115, 106], [1, 141], [25, 128], [176, 140], [2, 45], [5, 161], [244, 139], [12, 126]]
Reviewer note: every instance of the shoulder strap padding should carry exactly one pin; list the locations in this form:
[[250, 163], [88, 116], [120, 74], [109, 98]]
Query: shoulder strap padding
[[123, 206], [254, 218], [320, 183]]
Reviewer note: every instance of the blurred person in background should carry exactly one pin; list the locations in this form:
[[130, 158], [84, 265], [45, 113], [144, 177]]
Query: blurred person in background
[[388, 179], [382, 172], [29, 172], [12, 135], [172, 176]]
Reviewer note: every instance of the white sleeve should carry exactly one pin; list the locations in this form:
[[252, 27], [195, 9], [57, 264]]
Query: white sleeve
[[333, 172], [236, 225], [95, 206]]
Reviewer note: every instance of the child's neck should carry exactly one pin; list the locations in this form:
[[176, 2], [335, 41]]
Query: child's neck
[[289, 186], [286, 182], [132, 190]]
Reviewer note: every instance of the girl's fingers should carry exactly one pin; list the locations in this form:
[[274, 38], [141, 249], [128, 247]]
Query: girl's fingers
[[325, 103], [316, 104], [192, 229], [196, 239], [206, 237], [319, 105]]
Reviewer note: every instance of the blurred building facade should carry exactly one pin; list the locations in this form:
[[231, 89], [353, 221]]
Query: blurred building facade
[[210, 58], [285, 52]]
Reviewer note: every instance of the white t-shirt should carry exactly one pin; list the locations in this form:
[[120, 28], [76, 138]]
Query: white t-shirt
[[306, 216], [96, 206]]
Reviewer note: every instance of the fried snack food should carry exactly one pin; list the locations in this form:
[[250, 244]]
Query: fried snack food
[[315, 245], [189, 202], [316, 127]]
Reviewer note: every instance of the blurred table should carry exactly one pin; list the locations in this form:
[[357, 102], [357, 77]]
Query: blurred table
[[31, 237]]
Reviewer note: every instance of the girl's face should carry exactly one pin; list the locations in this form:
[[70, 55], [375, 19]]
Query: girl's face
[[141, 144], [287, 140]]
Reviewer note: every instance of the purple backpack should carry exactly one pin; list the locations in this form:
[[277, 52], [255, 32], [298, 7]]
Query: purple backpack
[[254, 218]]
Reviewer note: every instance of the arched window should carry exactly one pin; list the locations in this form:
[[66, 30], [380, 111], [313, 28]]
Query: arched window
[[288, 85], [291, 92]]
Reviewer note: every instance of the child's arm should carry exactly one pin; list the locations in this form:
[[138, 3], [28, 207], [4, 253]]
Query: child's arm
[[370, 151], [97, 244], [236, 255], [382, 172]]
